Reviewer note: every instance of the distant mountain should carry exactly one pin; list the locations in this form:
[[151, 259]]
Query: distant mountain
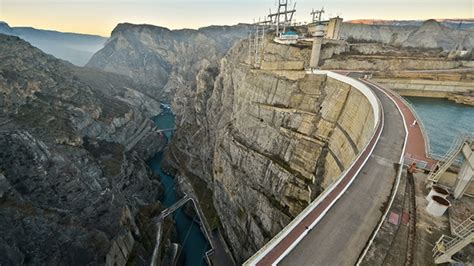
[[73, 47], [461, 24], [429, 34]]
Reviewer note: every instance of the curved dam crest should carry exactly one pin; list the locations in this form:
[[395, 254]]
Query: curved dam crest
[[357, 118]]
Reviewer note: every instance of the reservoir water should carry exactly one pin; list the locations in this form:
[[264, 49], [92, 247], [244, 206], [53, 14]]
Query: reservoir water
[[443, 120], [194, 244]]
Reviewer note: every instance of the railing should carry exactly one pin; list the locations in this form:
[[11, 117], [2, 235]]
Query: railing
[[419, 163], [464, 228], [447, 246], [420, 124], [418, 120], [449, 157]]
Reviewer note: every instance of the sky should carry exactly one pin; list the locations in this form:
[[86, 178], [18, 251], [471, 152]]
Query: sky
[[101, 16]]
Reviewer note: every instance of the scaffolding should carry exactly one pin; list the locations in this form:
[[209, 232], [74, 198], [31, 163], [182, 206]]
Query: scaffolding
[[257, 41]]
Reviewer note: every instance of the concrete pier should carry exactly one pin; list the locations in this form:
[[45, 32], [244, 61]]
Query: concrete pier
[[466, 172], [316, 51]]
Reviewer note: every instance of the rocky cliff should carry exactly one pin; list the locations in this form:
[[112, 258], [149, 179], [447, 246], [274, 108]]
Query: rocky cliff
[[73, 177], [266, 142], [163, 59]]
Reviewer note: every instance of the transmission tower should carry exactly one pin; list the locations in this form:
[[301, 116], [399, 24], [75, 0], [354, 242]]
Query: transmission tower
[[283, 17], [317, 15]]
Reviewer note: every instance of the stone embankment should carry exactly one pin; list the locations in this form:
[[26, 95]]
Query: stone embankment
[[455, 86]]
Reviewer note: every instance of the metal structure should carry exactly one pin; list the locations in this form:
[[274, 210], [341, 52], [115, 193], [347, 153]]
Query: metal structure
[[462, 146], [447, 246], [204, 226], [283, 17], [317, 15], [256, 42]]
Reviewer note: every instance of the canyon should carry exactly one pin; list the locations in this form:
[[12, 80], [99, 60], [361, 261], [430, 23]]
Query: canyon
[[253, 146]]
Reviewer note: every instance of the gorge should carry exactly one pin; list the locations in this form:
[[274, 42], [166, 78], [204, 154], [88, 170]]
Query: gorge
[[254, 147]]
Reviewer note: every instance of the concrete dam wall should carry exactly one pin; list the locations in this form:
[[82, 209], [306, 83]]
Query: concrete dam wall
[[354, 126], [267, 142]]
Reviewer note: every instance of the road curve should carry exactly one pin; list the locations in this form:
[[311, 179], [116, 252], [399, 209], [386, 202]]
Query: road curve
[[341, 235]]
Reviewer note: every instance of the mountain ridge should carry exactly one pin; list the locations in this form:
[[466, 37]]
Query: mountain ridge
[[76, 48]]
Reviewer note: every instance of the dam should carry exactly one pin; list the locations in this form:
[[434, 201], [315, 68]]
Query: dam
[[347, 216], [370, 176]]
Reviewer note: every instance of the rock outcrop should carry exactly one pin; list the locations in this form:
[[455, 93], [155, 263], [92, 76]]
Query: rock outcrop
[[163, 59], [70, 188]]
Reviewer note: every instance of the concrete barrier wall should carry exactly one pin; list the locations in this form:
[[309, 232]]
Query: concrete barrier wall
[[426, 88], [355, 123]]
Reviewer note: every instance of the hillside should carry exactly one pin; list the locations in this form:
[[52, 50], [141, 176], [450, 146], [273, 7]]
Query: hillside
[[72, 47], [459, 24], [430, 34], [71, 190]]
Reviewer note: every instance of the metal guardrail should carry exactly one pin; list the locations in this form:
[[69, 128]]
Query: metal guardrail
[[447, 246], [418, 120], [450, 157], [465, 227]]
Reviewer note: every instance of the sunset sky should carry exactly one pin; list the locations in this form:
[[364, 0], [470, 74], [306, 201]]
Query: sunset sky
[[101, 16]]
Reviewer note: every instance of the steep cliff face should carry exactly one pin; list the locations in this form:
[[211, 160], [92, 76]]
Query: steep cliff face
[[266, 142], [71, 183], [164, 59]]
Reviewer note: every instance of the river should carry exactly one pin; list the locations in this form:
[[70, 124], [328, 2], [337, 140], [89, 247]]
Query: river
[[192, 240], [444, 120]]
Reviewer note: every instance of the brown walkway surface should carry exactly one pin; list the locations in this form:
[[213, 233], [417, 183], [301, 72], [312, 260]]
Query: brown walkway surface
[[416, 146]]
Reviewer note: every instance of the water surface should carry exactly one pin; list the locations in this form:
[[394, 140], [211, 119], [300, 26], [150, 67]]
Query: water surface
[[444, 120], [189, 232]]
